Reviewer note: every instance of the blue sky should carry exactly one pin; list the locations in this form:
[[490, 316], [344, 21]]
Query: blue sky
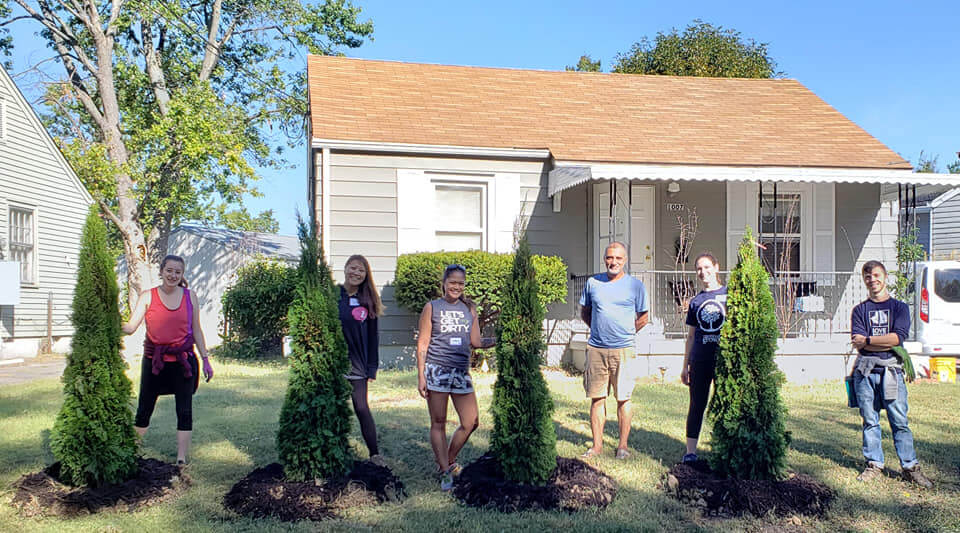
[[891, 67]]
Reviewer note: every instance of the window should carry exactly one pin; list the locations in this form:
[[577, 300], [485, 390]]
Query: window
[[780, 232], [946, 284], [459, 215], [23, 243]]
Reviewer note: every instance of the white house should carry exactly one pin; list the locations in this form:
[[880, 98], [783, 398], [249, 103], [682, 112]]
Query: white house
[[414, 157], [43, 207]]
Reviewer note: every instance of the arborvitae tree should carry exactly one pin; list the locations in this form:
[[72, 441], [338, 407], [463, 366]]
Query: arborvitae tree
[[524, 440], [315, 418], [93, 436], [749, 436]]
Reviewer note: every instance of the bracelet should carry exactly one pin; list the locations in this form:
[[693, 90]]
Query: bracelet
[[868, 341]]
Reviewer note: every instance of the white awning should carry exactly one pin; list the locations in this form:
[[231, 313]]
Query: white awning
[[565, 176]]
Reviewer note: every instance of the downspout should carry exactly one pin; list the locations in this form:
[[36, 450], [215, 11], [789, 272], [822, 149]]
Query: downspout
[[325, 204]]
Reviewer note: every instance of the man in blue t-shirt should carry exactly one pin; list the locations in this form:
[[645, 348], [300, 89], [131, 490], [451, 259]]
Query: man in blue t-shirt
[[877, 326], [614, 305]]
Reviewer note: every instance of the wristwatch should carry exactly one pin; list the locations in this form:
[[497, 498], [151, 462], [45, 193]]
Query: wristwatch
[[868, 341]]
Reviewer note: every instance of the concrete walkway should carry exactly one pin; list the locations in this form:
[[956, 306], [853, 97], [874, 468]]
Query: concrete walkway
[[47, 366]]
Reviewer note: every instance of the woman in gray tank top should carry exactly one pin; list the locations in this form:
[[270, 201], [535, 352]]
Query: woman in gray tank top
[[448, 330]]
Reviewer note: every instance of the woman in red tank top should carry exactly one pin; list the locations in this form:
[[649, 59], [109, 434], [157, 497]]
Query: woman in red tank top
[[169, 365]]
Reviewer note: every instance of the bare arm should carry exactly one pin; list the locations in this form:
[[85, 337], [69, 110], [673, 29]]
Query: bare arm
[[879, 343], [198, 338], [586, 314], [688, 347], [136, 317], [476, 340], [423, 342], [642, 320]]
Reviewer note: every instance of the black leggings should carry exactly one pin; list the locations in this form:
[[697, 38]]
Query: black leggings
[[169, 381], [702, 374], [362, 408]]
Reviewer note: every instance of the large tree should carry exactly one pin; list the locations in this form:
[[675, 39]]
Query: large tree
[[700, 50], [166, 106]]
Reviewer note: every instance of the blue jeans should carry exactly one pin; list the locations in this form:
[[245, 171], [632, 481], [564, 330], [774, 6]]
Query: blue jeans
[[869, 390]]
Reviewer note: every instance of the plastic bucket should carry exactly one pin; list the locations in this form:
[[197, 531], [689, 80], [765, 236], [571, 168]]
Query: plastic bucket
[[944, 369]]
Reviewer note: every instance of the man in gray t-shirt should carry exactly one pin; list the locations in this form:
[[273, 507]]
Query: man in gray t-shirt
[[614, 305]]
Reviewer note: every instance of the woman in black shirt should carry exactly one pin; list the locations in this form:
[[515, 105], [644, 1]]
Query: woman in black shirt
[[360, 306], [705, 317]]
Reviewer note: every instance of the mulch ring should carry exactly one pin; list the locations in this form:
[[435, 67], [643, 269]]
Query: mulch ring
[[42, 494], [698, 485], [266, 493], [574, 485]]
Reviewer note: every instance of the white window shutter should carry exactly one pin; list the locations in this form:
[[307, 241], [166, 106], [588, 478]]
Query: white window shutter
[[505, 209], [824, 222], [415, 231]]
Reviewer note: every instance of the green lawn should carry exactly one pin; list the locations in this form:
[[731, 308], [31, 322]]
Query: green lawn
[[236, 417]]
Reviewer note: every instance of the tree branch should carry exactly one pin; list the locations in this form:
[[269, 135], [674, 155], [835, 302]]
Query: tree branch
[[114, 15], [112, 216], [212, 48], [158, 82]]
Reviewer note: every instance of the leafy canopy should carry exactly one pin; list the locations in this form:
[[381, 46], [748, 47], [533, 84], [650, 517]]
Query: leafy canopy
[[700, 50]]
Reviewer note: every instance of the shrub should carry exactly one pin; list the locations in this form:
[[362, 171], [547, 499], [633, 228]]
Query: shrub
[[315, 417], [93, 436], [255, 308], [524, 440], [418, 280], [749, 436]]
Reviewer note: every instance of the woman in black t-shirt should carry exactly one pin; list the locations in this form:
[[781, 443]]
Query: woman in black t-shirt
[[360, 306], [705, 318]]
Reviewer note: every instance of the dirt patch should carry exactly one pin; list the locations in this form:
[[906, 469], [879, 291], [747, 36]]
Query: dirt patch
[[42, 494], [575, 485], [697, 485], [266, 492]]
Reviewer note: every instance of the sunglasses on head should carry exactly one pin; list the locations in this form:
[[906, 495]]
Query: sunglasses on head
[[456, 267]]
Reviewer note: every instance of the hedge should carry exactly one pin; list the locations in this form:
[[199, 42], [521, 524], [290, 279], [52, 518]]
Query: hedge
[[418, 276], [255, 308]]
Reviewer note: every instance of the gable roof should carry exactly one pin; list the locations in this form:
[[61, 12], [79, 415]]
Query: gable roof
[[44, 136], [286, 247], [596, 117]]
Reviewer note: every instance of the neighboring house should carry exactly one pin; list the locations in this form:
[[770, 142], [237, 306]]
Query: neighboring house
[[212, 257], [43, 207], [938, 224], [414, 157]]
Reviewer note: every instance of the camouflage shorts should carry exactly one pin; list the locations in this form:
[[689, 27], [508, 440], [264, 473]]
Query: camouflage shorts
[[447, 379]]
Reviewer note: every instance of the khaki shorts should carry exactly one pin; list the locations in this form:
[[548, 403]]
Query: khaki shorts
[[609, 367]]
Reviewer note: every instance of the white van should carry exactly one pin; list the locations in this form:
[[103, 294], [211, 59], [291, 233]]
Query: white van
[[938, 308]]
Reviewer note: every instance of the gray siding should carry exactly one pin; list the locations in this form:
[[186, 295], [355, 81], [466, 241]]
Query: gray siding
[[946, 229], [709, 199], [34, 175], [866, 227]]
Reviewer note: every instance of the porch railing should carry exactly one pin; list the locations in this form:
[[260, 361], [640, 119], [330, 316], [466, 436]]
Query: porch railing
[[807, 304]]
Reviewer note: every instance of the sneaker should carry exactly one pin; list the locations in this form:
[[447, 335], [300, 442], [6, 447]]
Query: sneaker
[[870, 473], [622, 453], [914, 475], [455, 469], [689, 458], [446, 481], [378, 460]]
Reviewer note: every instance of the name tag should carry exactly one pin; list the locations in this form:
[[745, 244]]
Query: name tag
[[456, 341], [354, 302]]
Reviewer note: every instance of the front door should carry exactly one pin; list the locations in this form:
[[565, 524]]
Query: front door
[[611, 218], [624, 212]]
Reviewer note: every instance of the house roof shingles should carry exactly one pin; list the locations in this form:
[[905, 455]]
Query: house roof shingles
[[624, 118]]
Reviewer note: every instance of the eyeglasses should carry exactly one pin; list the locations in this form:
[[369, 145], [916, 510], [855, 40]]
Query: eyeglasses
[[456, 267]]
